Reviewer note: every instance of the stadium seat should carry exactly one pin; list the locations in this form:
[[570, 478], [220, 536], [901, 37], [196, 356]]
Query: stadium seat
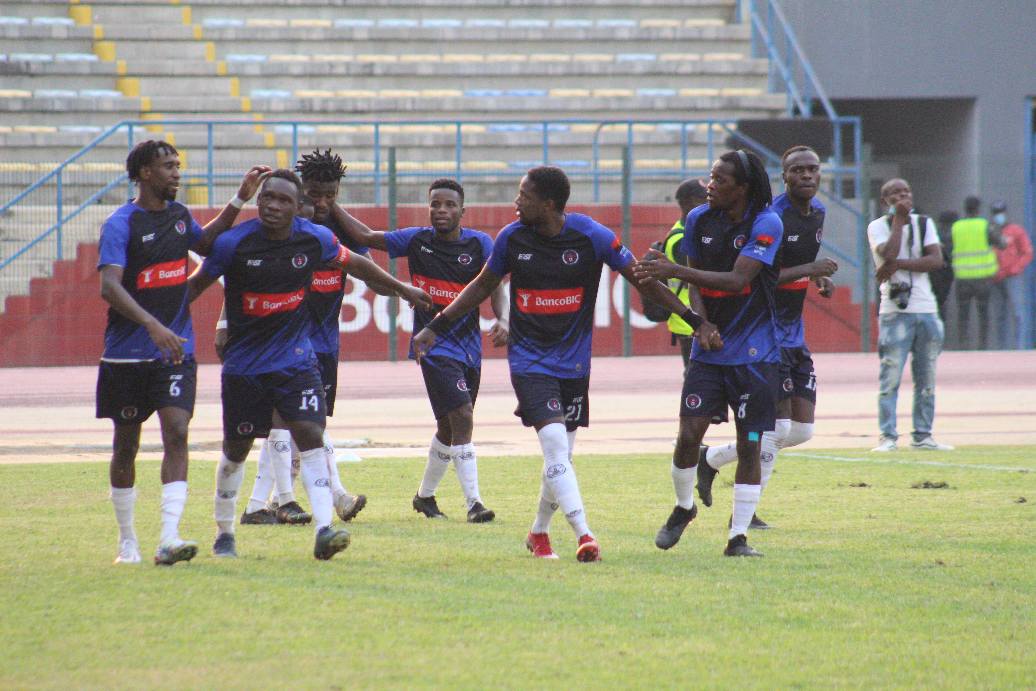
[[636, 57], [441, 23], [270, 93], [573, 23], [480, 23], [54, 93], [398, 23], [353, 23], [53, 21], [523, 23], [244, 57], [617, 23], [13, 21], [222, 22], [261, 23], [75, 57], [420, 58]]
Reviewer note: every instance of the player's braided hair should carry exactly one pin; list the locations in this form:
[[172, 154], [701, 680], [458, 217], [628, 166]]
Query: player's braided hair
[[754, 174], [321, 167], [144, 154], [447, 184]]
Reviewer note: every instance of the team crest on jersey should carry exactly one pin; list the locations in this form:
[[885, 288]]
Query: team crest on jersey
[[181, 227], [299, 261], [462, 384], [128, 413], [693, 401], [570, 257], [554, 404], [820, 234], [787, 385], [464, 259], [245, 428], [739, 242]]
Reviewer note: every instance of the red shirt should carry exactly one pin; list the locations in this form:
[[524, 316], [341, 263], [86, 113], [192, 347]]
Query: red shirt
[[1016, 256]]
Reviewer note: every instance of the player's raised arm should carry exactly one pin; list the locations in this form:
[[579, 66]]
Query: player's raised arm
[[226, 217], [654, 290], [357, 230], [369, 272]]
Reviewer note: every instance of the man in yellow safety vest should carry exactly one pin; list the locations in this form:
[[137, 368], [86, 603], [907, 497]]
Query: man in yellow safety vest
[[974, 266]]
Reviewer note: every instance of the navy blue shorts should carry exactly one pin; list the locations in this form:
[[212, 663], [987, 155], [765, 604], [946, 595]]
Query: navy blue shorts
[[450, 383], [798, 378], [128, 392], [327, 363], [250, 399], [751, 390], [542, 397]]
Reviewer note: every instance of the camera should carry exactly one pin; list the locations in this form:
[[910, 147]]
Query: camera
[[899, 293]]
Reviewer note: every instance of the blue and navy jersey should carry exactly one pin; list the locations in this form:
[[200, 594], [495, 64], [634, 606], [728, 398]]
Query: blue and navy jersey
[[151, 247], [746, 320], [266, 283], [800, 245], [554, 284], [442, 268], [325, 296]]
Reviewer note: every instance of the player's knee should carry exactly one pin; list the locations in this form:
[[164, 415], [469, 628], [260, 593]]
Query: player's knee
[[798, 433]]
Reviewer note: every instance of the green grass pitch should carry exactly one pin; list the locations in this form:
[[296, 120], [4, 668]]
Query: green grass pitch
[[867, 582]]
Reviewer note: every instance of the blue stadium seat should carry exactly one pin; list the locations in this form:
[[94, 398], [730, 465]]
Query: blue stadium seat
[[353, 23], [13, 21], [30, 57], [525, 93], [636, 57], [483, 93], [270, 93], [76, 57], [222, 22], [244, 57]]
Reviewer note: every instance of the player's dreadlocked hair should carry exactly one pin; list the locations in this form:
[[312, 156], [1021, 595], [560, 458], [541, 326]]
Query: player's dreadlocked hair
[[321, 167], [749, 169], [144, 154]]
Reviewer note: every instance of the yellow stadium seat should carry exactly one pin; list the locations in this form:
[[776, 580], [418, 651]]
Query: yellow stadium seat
[[463, 57], [289, 57], [612, 93], [569, 93], [314, 93], [660, 23], [486, 165], [679, 57], [15, 93], [420, 58], [717, 57], [740, 91], [36, 129], [356, 93], [703, 21], [699, 92], [368, 57], [506, 57], [399, 93], [259, 22], [333, 57], [593, 57], [441, 93], [311, 23], [550, 57]]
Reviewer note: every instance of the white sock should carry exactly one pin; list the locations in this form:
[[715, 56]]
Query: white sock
[[561, 476], [571, 444], [174, 496], [123, 499], [228, 482], [769, 445], [280, 456], [546, 509], [435, 468], [746, 498], [337, 488], [798, 433], [263, 479], [466, 465], [318, 486], [683, 483], [719, 456]]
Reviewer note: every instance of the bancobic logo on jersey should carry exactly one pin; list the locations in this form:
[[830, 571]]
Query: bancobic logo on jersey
[[162, 275], [265, 304], [557, 301], [327, 281], [442, 292]]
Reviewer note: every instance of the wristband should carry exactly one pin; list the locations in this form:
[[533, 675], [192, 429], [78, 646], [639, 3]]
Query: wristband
[[237, 202], [221, 324], [692, 318], [440, 324]]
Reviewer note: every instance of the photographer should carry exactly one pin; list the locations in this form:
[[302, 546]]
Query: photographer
[[908, 318]]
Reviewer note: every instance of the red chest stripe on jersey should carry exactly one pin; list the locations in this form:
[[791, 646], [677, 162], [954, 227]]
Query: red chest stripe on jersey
[[326, 281], [710, 293], [797, 284], [162, 275], [560, 301], [442, 292], [265, 304]]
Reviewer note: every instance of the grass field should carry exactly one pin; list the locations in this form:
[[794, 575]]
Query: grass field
[[867, 582]]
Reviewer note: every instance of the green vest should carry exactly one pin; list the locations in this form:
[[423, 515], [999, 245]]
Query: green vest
[[972, 257], [677, 325]]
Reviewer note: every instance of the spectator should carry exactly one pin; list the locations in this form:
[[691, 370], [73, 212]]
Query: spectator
[[908, 319], [974, 265], [942, 280], [1013, 254]]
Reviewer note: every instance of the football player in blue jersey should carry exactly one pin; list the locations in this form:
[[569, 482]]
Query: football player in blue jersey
[[269, 363], [731, 245], [802, 215], [148, 362], [443, 257], [555, 260]]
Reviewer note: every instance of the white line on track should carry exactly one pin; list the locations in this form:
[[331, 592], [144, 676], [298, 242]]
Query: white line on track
[[894, 461]]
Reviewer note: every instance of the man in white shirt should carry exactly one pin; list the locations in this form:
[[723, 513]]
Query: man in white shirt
[[908, 316]]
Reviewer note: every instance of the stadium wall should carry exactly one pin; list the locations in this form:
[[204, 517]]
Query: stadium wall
[[62, 320]]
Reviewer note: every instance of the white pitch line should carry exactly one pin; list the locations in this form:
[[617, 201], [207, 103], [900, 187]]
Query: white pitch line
[[892, 461]]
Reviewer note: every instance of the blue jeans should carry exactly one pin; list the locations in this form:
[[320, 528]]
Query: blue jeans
[[1011, 292], [899, 335]]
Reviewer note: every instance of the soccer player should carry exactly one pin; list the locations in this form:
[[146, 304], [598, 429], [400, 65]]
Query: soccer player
[[443, 258], [269, 365], [802, 216], [148, 362], [555, 261], [731, 245]]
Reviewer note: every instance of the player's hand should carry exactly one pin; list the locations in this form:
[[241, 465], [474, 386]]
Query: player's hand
[[825, 266], [220, 342], [903, 208], [169, 344], [885, 271], [250, 183], [655, 266], [708, 336], [417, 298], [825, 286], [500, 333], [423, 342]]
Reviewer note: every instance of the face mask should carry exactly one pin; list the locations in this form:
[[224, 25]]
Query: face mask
[[1000, 219]]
